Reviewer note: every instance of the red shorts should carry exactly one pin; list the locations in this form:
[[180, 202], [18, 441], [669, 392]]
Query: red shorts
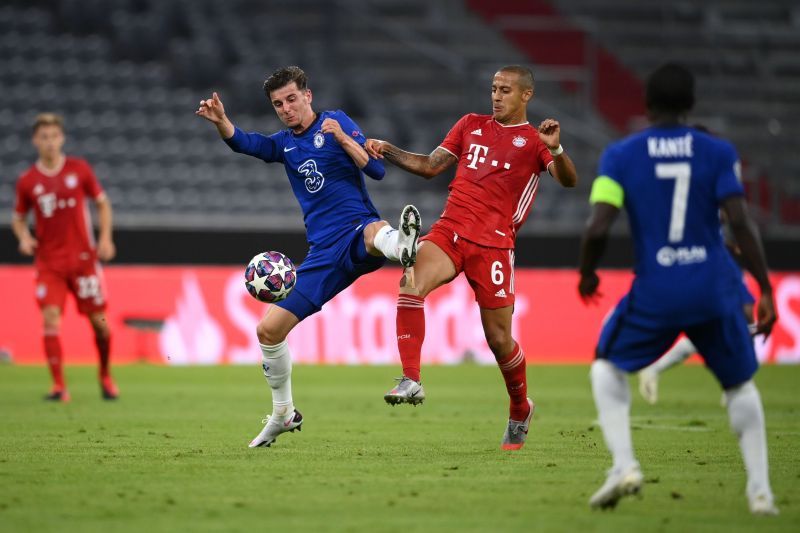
[[84, 281], [489, 271]]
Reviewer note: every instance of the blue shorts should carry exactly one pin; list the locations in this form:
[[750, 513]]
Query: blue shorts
[[632, 341], [326, 272]]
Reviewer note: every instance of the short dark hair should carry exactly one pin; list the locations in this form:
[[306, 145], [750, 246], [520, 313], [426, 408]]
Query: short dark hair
[[283, 77], [670, 89], [524, 73], [47, 119]]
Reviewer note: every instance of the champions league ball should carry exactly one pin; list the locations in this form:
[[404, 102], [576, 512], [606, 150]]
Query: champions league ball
[[270, 277]]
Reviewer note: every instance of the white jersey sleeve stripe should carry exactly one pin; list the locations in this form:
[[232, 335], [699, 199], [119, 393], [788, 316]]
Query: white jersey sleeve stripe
[[526, 199]]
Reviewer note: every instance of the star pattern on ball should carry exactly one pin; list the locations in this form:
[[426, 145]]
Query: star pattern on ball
[[280, 268], [281, 294], [259, 283]]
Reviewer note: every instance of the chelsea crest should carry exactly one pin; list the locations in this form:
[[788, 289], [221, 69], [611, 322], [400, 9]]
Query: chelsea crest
[[319, 139]]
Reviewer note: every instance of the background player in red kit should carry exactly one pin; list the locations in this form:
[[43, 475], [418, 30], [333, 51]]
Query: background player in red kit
[[66, 259], [499, 157]]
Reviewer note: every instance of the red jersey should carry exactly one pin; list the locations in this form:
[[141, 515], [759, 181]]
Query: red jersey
[[63, 225], [496, 178]]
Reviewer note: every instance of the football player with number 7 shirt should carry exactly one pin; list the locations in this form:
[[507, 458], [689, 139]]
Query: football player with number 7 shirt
[[66, 258], [499, 159]]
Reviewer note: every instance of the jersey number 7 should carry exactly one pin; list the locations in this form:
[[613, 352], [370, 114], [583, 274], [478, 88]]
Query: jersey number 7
[[681, 173]]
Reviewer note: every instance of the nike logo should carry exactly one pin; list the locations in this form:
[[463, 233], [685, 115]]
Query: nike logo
[[289, 149]]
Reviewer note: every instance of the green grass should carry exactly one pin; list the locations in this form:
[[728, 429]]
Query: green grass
[[172, 454]]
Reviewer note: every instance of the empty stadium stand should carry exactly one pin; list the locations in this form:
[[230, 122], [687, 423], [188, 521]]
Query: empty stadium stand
[[128, 74]]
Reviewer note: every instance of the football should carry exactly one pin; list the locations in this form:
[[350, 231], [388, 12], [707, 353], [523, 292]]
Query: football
[[270, 277]]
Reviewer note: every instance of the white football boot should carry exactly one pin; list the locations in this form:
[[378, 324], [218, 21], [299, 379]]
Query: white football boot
[[619, 483], [273, 428], [406, 391], [648, 385], [409, 229], [762, 504], [517, 431]]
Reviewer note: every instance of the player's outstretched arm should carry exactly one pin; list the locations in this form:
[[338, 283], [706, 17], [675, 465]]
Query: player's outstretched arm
[[426, 166], [563, 168], [593, 244], [749, 242], [213, 111]]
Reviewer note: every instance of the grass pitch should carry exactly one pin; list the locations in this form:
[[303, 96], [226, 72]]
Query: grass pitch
[[171, 454]]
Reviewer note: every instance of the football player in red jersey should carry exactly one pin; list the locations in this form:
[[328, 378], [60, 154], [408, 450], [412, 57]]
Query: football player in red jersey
[[65, 255], [499, 158]]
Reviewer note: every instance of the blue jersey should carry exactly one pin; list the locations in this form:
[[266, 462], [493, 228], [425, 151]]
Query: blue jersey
[[673, 180], [325, 180]]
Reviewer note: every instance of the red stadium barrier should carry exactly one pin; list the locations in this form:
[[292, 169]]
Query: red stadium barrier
[[203, 315]]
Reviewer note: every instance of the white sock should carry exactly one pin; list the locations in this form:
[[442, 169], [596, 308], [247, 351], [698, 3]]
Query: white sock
[[277, 365], [386, 241], [613, 400], [746, 416], [680, 352]]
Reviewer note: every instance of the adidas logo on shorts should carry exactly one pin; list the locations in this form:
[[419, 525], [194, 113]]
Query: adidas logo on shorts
[[501, 293]]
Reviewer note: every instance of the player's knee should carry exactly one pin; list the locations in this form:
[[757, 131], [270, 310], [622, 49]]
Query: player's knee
[[100, 324], [415, 286], [369, 235], [51, 320], [268, 335], [500, 342]]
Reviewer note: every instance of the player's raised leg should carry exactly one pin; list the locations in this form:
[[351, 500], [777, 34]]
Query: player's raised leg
[[612, 399], [433, 268], [102, 339], [51, 316], [277, 365], [396, 244], [648, 376], [511, 361]]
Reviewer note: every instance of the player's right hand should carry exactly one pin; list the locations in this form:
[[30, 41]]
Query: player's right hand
[[587, 288], [27, 246], [374, 148], [766, 314], [212, 109]]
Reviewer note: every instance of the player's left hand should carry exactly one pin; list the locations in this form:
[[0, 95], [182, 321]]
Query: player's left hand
[[766, 315], [587, 288], [106, 250], [550, 133], [330, 125]]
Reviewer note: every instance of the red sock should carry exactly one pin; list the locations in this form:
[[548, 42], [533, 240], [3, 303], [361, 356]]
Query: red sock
[[54, 355], [103, 349], [513, 368], [410, 333]]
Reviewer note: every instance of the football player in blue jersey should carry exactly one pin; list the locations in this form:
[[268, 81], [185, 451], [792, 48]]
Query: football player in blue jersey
[[325, 160], [683, 349], [672, 181]]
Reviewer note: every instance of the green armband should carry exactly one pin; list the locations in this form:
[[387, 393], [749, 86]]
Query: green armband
[[606, 190]]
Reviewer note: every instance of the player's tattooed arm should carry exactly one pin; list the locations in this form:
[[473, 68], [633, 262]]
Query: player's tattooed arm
[[426, 166]]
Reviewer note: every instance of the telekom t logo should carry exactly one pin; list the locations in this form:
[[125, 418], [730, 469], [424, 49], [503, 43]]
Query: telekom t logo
[[476, 155]]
